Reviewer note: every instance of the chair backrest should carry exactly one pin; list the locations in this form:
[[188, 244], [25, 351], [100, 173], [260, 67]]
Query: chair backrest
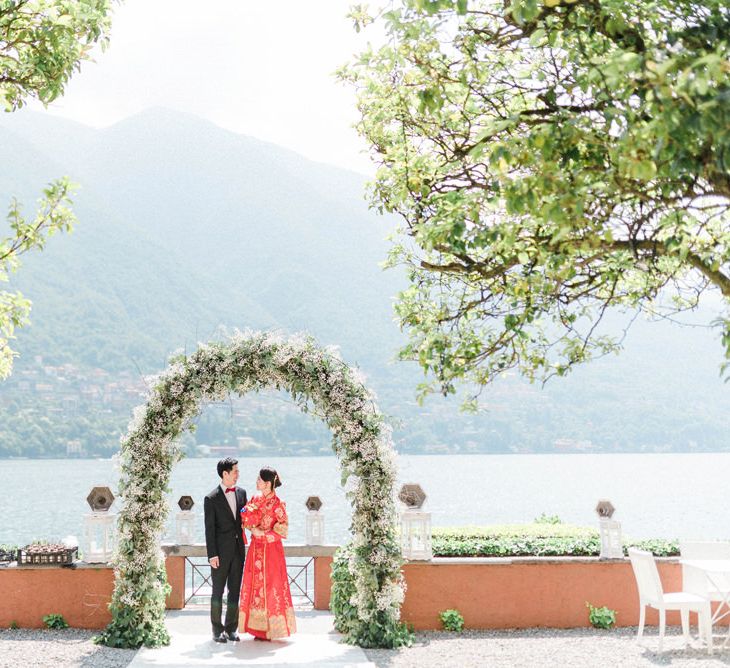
[[693, 580], [647, 576]]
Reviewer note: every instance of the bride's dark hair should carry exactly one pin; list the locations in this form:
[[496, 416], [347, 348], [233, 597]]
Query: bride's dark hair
[[268, 474]]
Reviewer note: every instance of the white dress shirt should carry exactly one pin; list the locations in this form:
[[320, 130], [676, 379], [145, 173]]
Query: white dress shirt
[[231, 498]]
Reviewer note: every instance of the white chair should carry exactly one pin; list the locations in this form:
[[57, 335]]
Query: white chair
[[651, 593], [694, 580]]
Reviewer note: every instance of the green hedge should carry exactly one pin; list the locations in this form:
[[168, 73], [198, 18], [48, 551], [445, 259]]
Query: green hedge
[[532, 540]]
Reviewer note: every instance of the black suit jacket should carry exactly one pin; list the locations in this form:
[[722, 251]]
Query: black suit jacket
[[223, 532]]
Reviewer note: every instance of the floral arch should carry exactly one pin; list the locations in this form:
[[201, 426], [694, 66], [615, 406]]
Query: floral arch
[[373, 588]]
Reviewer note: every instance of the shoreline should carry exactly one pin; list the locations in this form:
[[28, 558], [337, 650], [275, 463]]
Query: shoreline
[[331, 455]]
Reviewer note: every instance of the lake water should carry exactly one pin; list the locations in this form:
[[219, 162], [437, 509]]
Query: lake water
[[656, 495]]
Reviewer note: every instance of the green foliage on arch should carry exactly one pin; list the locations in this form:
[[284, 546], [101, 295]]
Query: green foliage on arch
[[315, 378]]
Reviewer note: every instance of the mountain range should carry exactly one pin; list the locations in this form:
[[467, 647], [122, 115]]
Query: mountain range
[[186, 229]]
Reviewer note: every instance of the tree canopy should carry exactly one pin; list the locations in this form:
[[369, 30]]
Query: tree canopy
[[551, 162], [42, 42]]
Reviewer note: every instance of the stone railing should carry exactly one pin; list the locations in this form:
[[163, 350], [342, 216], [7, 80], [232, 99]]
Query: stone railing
[[198, 550]]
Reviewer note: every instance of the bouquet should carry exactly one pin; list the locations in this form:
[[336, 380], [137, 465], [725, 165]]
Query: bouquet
[[250, 515]]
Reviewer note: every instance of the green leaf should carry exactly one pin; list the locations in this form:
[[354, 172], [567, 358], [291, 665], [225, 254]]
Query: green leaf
[[533, 152]]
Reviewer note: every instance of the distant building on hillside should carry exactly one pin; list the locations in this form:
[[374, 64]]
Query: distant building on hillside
[[438, 449], [223, 451], [74, 448], [572, 445], [248, 444]]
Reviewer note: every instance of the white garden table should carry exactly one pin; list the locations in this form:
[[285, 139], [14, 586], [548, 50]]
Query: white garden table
[[717, 572]]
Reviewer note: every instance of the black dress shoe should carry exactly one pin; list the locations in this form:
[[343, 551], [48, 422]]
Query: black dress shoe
[[219, 637], [233, 637]]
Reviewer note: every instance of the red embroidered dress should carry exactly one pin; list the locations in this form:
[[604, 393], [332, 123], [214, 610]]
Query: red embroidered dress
[[266, 605]]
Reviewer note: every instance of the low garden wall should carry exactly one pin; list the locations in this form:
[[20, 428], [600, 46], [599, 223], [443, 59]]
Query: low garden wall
[[488, 592], [522, 592], [81, 593]]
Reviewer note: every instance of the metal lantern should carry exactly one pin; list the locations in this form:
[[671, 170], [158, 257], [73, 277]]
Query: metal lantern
[[99, 526], [185, 521], [415, 524], [610, 531], [314, 525]]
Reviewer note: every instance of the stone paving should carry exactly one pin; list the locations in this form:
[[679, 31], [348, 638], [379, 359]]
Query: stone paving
[[314, 644]]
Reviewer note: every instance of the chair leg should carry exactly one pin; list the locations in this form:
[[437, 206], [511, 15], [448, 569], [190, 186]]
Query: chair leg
[[662, 624], [704, 621], [642, 619], [684, 615]]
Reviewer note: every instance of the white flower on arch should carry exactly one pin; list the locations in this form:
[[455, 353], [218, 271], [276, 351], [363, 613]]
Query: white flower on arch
[[243, 362]]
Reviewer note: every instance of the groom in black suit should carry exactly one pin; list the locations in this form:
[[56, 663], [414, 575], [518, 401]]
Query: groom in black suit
[[226, 551]]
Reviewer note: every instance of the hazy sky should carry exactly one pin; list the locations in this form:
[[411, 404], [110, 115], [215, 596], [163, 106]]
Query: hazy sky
[[257, 68]]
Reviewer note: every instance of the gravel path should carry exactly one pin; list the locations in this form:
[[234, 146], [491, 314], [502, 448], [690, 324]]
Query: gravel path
[[543, 648], [539, 648], [67, 648]]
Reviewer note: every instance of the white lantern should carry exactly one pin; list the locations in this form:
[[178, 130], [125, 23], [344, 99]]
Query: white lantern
[[611, 543], [185, 527], [415, 535], [315, 528], [99, 526], [185, 521], [610, 531], [415, 524], [314, 524], [100, 537]]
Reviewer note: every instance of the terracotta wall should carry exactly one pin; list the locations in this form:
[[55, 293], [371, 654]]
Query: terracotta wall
[[489, 593], [81, 594], [322, 582], [527, 594], [522, 593], [176, 578]]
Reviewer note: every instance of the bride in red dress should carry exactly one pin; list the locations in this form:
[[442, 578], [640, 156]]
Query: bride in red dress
[[266, 606]]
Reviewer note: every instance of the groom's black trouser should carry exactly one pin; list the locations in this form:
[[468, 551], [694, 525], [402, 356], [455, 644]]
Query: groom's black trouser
[[229, 573]]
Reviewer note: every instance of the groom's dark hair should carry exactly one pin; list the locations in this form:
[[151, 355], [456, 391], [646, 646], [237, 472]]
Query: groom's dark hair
[[226, 464]]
